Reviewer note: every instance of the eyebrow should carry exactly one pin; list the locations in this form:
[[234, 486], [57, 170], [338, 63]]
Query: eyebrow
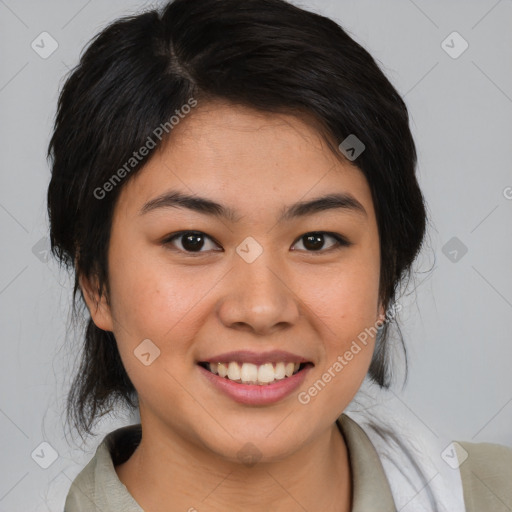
[[175, 199]]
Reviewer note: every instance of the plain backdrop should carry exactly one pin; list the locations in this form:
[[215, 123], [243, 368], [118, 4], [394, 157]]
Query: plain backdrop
[[456, 322]]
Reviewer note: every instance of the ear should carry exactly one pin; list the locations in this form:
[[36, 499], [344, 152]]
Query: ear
[[381, 314], [98, 307]]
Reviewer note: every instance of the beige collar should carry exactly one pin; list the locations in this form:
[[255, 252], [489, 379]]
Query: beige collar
[[98, 484], [371, 490]]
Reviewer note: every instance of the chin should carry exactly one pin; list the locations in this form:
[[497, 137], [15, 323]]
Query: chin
[[256, 445]]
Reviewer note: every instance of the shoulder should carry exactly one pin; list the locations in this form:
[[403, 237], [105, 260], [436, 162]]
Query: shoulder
[[97, 486], [82, 493], [486, 473]]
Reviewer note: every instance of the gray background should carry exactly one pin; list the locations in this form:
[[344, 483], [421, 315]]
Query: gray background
[[457, 322]]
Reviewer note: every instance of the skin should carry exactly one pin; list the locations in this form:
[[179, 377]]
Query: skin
[[310, 303]]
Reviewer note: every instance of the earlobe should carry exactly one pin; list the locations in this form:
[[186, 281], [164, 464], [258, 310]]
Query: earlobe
[[97, 306]]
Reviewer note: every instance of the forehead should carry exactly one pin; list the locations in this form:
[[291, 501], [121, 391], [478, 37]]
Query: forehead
[[225, 132], [235, 155]]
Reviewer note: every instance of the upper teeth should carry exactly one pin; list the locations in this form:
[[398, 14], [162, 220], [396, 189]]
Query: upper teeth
[[249, 373]]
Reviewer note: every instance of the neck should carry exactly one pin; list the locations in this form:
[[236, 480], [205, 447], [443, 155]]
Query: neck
[[186, 478]]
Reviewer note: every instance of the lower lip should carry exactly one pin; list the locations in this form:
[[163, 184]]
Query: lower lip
[[253, 394]]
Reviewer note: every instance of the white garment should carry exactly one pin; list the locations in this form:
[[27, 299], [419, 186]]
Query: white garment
[[411, 454]]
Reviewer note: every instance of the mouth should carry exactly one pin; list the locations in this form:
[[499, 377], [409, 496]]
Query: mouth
[[253, 374]]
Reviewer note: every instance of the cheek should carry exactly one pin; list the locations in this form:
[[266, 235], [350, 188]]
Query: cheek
[[152, 301], [346, 309], [150, 297], [345, 304], [345, 299]]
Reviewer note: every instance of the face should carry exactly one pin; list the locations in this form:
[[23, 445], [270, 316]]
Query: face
[[271, 273]]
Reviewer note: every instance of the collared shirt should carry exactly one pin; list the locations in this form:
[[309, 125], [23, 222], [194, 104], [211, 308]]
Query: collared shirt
[[487, 479]]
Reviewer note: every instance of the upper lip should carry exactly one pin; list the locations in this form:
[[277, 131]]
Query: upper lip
[[257, 358]]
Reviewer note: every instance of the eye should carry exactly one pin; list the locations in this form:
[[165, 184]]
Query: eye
[[315, 241], [190, 241]]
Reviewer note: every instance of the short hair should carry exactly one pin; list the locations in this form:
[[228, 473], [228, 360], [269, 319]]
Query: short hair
[[265, 54]]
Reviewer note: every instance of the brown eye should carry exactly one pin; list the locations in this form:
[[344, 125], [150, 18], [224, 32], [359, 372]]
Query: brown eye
[[190, 241], [315, 241]]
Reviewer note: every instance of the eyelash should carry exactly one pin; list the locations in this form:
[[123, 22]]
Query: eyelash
[[341, 242]]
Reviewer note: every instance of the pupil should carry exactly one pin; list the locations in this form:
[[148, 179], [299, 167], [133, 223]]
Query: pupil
[[314, 241], [192, 242]]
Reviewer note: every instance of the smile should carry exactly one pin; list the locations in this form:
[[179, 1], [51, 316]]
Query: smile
[[250, 373], [255, 378]]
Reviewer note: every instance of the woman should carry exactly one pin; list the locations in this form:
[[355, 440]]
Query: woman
[[234, 185]]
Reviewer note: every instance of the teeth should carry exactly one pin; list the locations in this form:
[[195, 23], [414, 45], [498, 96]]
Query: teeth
[[288, 369], [248, 373], [222, 369], [280, 371], [266, 373], [233, 371]]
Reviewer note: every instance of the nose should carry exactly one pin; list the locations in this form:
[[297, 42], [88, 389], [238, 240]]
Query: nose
[[258, 297]]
